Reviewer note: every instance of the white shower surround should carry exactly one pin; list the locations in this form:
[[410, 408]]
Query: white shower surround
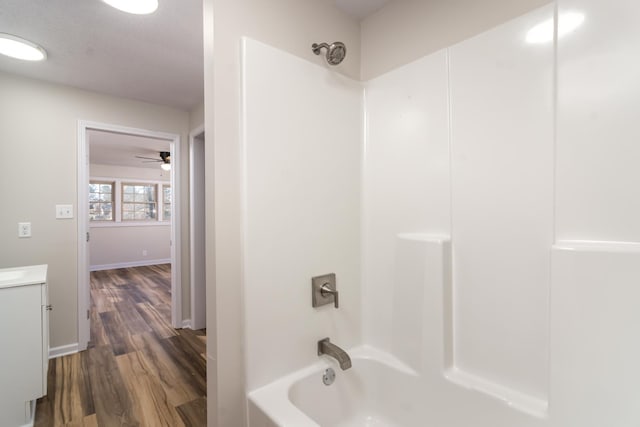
[[301, 170], [515, 312]]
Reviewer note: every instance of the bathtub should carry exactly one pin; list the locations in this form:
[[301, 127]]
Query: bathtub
[[358, 397], [378, 391]]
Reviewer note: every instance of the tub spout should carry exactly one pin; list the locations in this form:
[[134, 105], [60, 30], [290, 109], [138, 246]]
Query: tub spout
[[325, 346]]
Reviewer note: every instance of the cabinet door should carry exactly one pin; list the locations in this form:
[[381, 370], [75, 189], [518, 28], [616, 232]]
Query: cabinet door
[[21, 335]]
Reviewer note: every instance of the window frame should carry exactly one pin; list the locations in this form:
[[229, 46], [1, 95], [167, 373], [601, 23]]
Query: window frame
[[162, 203], [123, 203], [112, 184]]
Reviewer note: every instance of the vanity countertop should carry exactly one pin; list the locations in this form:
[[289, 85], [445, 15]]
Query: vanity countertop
[[22, 276]]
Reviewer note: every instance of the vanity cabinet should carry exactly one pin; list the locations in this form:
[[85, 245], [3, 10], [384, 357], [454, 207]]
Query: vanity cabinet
[[24, 342]]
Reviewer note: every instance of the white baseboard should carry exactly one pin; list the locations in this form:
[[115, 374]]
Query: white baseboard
[[141, 263], [186, 323], [31, 413], [63, 350]]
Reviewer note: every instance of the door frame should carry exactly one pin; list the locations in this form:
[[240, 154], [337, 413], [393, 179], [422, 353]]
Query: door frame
[[198, 320], [84, 322]]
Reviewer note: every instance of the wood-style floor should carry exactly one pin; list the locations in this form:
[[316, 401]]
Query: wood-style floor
[[138, 370]]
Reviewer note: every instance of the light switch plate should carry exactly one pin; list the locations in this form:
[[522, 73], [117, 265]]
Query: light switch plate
[[64, 211], [24, 229]]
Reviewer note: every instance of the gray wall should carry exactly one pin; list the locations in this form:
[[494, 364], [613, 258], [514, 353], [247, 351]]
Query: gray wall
[[38, 135]]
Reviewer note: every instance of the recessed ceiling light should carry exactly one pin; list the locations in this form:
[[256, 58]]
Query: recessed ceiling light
[[138, 7], [20, 48]]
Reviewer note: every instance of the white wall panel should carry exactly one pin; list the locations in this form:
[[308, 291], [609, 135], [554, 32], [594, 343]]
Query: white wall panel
[[594, 330], [502, 181], [291, 25], [598, 126], [302, 173], [402, 31], [406, 176], [421, 321]]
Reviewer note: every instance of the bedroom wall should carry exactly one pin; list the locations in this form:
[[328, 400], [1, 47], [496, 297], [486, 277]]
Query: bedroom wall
[[122, 244]]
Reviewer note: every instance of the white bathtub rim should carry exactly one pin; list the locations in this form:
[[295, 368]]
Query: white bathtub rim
[[368, 352], [273, 398], [519, 401]]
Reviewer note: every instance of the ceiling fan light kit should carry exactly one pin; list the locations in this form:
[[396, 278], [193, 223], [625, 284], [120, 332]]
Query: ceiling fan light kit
[[164, 160]]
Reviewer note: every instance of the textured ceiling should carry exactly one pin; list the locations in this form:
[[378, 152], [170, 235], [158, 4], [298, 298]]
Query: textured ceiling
[[109, 148], [360, 9], [155, 58]]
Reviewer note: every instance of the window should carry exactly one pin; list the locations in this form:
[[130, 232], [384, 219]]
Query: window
[[100, 201], [139, 202], [129, 202], [166, 202]]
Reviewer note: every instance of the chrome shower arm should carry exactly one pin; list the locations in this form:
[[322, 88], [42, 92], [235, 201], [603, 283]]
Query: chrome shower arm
[[317, 48]]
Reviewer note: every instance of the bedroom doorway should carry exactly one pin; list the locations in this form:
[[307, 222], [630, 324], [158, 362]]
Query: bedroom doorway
[[134, 198]]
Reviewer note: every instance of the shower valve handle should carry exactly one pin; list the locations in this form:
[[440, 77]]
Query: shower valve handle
[[326, 290]]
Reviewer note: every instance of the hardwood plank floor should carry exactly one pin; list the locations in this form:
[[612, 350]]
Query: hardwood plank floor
[[138, 370]]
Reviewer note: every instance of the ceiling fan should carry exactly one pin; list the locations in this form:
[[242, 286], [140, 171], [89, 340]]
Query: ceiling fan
[[164, 160]]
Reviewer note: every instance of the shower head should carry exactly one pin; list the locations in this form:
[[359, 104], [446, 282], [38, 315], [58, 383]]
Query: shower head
[[335, 52]]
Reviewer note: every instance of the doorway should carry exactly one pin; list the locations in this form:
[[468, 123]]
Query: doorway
[[140, 217]]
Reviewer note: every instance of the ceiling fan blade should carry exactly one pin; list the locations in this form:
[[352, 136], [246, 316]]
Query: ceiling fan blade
[[151, 161], [148, 158]]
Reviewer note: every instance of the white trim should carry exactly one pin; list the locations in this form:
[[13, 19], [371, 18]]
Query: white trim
[[83, 232], [63, 350], [142, 263], [186, 324], [195, 316], [176, 239], [83, 222], [197, 131], [109, 224]]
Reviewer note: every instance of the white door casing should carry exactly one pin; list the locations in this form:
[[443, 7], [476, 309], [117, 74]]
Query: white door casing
[[83, 223], [197, 228]]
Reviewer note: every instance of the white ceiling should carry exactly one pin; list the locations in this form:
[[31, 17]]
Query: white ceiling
[[360, 9], [155, 58], [108, 148]]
